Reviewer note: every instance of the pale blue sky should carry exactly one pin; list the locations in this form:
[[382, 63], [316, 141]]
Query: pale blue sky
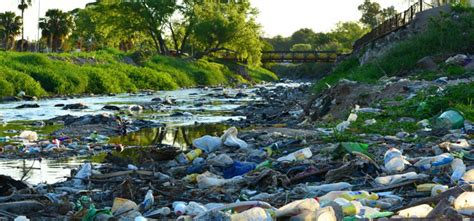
[[281, 17]]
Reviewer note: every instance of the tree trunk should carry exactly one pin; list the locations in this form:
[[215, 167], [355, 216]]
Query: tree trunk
[[175, 40], [22, 29], [51, 42], [164, 49]]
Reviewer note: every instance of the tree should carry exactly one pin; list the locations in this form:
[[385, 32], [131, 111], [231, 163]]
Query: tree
[[346, 33], [369, 11], [387, 13], [56, 27], [10, 28], [182, 28], [301, 47], [228, 26], [23, 6]]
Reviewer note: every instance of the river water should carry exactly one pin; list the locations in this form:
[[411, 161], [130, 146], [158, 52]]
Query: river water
[[179, 131]]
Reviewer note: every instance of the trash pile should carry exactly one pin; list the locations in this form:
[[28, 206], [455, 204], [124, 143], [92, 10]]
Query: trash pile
[[263, 176]]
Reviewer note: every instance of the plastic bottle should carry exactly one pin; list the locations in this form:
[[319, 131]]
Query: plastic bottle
[[468, 176], [426, 187], [298, 207], [325, 188], [357, 195], [438, 189], [393, 160], [193, 154], [4, 139], [434, 163], [148, 201], [420, 211], [182, 159], [384, 203], [398, 178], [265, 164], [255, 213], [451, 119], [364, 211], [348, 195], [297, 155], [459, 168], [347, 207], [83, 173], [164, 211], [179, 208]]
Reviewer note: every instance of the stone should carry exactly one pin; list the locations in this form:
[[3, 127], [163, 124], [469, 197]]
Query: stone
[[27, 106], [469, 66], [111, 107], [59, 105], [427, 63], [458, 59], [77, 106]]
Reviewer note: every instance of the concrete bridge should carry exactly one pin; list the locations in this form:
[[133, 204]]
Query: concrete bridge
[[293, 56]]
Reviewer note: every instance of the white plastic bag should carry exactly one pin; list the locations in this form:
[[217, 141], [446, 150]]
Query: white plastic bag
[[230, 139], [29, 135]]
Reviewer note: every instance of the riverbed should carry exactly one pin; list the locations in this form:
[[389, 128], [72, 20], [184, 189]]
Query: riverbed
[[216, 106]]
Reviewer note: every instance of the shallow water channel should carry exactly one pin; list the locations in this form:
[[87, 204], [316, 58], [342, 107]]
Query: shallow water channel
[[206, 119]]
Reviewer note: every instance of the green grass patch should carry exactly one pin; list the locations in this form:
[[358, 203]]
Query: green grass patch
[[106, 71]]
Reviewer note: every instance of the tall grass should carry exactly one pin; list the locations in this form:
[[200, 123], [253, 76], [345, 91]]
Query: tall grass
[[447, 34], [105, 72]]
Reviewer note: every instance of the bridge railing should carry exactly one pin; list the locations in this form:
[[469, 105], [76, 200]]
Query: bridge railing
[[299, 56], [394, 23]]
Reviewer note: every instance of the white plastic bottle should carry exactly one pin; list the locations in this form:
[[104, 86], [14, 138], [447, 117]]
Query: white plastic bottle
[[297, 155], [394, 161], [459, 168], [398, 178], [325, 188], [148, 201], [438, 189]]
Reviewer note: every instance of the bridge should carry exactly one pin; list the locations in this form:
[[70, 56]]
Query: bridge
[[293, 56]]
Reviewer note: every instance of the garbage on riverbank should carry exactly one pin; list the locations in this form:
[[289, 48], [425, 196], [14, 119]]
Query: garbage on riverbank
[[265, 173]]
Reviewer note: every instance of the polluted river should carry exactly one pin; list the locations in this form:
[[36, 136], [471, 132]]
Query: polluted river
[[266, 152], [193, 113]]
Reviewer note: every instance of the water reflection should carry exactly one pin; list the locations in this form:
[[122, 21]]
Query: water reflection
[[36, 171], [181, 137]]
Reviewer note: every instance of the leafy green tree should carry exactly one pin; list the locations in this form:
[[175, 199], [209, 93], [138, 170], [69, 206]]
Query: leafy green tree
[[228, 26], [346, 33], [23, 6], [370, 11], [182, 28], [387, 13], [10, 26], [56, 27], [301, 47]]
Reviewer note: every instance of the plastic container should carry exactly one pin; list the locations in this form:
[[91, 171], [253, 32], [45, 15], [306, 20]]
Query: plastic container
[[256, 213], [469, 176], [459, 168], [326, 214], [193, 154], [398, 178], [464, 201], [451, 119], [426, 187], [420, 211], [298, 207], [393, 160], [297, 155], [208, 143], [230, 139], [348, 195]]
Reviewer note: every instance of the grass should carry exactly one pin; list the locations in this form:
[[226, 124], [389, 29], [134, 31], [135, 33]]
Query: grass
[[106, 71], [444, 36]]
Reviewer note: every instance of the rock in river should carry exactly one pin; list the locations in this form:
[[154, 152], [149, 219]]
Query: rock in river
[[111, 107], [27, 106], [78, 106]]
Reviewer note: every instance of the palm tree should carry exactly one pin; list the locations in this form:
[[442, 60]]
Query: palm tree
[[10, 27], [23, 6], [56, 27]]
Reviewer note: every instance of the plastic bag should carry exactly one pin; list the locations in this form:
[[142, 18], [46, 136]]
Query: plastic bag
[[208, 143], [230, 139], [238, 168], [83, 173], [29, 135]]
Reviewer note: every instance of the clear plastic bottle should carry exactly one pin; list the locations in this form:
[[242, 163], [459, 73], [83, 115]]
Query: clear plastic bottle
[[393, 160], [298, 207], [459, 168], [179, 208]]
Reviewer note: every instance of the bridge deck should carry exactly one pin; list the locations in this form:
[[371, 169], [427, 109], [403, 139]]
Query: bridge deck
[[294, 56]]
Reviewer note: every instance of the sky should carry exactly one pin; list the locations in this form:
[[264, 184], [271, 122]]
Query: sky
[[278, 17]]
